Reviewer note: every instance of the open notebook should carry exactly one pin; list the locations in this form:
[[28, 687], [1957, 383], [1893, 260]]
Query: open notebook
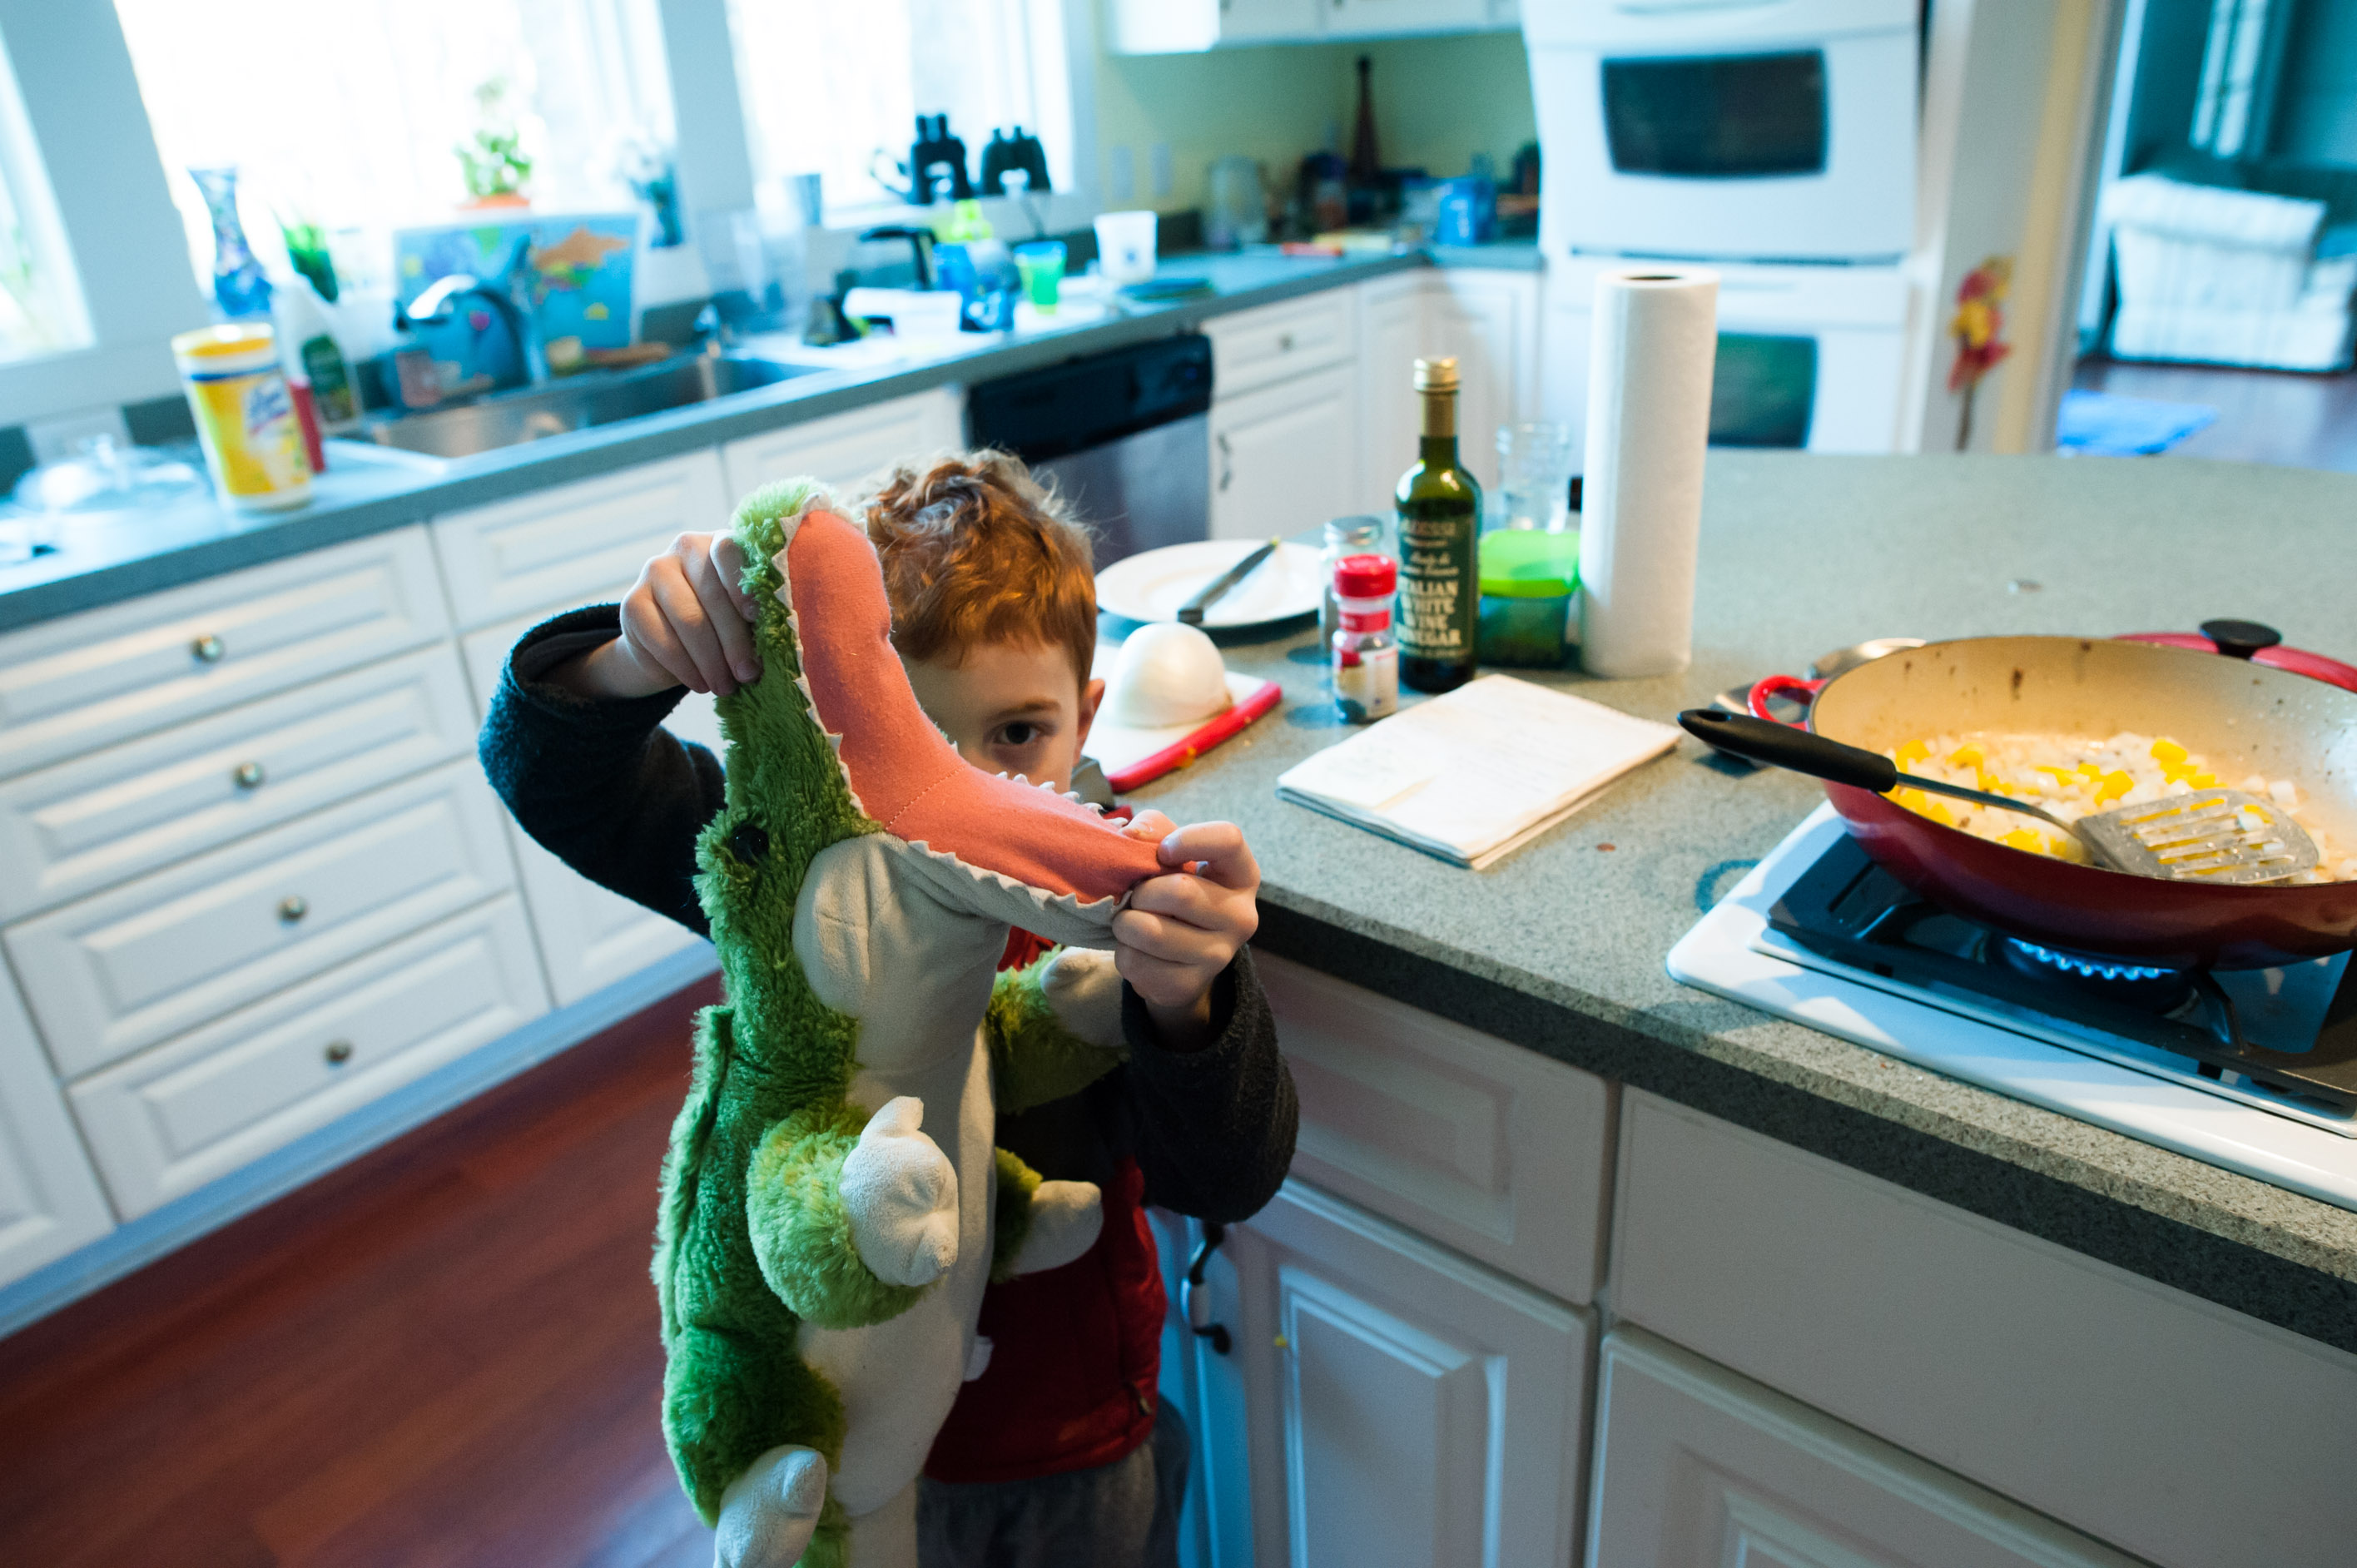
[[1474, 775]]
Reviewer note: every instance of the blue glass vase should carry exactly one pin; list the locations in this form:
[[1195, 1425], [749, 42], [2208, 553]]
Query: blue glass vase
[[239, 286]]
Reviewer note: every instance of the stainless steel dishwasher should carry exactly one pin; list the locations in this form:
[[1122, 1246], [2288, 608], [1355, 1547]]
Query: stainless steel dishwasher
[[1124, 435]]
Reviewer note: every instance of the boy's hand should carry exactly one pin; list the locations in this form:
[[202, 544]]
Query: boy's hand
[[1182, 929], [685, 622]]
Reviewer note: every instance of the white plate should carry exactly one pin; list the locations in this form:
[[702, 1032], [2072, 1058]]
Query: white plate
[[1151, 587]]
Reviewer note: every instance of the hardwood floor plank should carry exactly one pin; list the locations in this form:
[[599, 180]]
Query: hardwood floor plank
[[446, 1352]]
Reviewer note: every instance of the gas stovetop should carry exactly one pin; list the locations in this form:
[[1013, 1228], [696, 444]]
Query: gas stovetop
[[2254, 1070]]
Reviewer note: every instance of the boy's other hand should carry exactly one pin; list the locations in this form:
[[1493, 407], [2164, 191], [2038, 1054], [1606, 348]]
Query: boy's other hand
[[685, 622], [1183, 927]]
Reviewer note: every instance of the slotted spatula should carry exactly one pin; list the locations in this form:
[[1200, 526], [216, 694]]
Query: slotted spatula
[[2221, 837]]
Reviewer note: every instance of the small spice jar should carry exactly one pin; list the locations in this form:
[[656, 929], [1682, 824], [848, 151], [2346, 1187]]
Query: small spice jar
[[1365, 653], [1364, 535]]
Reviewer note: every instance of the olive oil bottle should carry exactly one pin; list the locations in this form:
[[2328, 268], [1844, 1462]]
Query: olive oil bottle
[[1439, 512]]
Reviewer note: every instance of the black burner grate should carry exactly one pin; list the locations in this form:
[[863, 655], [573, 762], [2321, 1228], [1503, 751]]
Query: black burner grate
[[1849, 910]]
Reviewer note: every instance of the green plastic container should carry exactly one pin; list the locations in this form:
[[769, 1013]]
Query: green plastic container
[[1528, 576]]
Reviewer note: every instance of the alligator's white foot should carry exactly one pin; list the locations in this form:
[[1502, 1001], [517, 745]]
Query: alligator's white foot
[[768, 1513], [902, 1194], [1065, 1219]]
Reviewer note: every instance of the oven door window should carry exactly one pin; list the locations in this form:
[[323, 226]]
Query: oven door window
[[1761, 389], [1717, 116]]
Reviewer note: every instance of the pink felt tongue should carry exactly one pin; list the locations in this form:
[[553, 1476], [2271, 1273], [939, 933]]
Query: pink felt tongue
[[906, 775]]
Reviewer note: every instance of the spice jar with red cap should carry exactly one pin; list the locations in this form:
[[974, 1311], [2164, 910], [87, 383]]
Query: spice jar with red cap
[[1365, 653]]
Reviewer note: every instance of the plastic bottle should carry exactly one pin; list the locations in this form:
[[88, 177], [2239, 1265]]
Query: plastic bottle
[[1366, 656], [246, 416]]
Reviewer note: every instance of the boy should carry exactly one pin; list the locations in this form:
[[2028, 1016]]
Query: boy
[[1057, 1454]]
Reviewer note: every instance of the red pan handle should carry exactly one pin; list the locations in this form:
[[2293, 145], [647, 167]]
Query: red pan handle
[[1793, 686], [2259, 644]]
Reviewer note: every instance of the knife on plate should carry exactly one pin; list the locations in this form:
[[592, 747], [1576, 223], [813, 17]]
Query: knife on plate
[[1191, 612]]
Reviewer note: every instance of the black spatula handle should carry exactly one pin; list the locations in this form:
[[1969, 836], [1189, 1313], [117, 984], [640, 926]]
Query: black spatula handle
[[1781, 746]]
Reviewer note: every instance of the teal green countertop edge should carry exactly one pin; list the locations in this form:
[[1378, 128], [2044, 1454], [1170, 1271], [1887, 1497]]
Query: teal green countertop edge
[[109, 562]]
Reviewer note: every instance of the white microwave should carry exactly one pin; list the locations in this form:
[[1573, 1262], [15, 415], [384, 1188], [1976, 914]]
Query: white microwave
[[1810, 358], [1746, 130]]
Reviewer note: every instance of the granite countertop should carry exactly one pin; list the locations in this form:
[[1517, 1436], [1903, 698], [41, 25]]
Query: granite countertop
[[365, 493], [1560, 947]]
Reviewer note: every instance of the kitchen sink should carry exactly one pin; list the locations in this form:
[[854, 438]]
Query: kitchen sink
[[578, 402]]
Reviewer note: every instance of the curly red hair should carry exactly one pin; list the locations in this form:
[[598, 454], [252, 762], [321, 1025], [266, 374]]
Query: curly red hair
[[977, 551]]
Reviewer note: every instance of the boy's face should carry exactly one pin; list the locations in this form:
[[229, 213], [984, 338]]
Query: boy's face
[[1010, 707]]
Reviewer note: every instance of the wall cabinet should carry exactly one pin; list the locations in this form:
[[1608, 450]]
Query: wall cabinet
[[1162, 27], [1403, 1405], [1698, 1468]]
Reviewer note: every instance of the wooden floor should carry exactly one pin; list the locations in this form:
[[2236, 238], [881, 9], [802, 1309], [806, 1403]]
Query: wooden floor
[[2279, 417], [444, 1354]]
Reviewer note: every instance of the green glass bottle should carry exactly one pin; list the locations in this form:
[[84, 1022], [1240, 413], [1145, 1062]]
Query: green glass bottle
[[1439, 510]]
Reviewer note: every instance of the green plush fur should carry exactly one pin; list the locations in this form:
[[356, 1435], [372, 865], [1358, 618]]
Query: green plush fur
[[1033, 1057], [752, 1239], [734, 1387]]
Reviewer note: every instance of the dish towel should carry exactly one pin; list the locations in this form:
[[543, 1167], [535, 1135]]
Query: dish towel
[[2104, 424]]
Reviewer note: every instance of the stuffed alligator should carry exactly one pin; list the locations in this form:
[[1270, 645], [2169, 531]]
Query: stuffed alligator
[[832, 1205]]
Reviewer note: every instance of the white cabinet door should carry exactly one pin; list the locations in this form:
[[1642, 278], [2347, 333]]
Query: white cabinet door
[[842, 449], [589, 937], [1393, 335], [1488, 321], [1408, 1407], [50, 1199], [1696, 1468], [1172, 26], [1272, 343], [1202, 1381], [560, 546], [1283, 458], [1377, 19]]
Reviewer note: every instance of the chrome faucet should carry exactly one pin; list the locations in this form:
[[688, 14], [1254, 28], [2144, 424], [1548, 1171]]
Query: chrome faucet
[[508, 295]]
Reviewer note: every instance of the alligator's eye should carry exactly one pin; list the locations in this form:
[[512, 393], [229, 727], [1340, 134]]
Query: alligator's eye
[[749, 843]]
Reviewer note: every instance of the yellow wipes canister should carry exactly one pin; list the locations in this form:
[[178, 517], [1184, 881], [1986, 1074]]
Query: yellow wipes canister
[[245, 417]]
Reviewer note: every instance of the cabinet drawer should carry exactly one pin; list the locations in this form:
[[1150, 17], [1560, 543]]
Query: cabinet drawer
[[197, 1107], [1255, 347], [130, 967], [561, 546], [842, 449], [589, 937], [101, 818], [1696, 1468], [1487, 1148], [2168, 1426], [89, 680]]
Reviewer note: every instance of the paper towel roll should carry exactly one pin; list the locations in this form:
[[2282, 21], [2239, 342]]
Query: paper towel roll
[[1654, 334]]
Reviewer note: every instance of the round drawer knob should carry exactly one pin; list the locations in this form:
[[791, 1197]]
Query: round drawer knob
[[338, 1052], [208, 650], [294, 909], [247, 776], [1285, 343]]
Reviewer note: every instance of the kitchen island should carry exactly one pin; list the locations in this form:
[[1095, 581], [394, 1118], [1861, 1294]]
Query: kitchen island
[[1903, 1250]]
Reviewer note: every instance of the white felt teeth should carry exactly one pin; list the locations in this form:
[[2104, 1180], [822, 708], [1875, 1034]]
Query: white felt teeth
[[1098, 912]]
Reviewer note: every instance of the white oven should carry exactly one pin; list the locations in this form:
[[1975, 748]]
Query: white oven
[[1761, 130], [1809, 357]]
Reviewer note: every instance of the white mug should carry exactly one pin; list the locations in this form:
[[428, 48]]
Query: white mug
[[1125, 246]]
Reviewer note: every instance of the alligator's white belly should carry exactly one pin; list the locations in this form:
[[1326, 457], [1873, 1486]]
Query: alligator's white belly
[[898, 1377]]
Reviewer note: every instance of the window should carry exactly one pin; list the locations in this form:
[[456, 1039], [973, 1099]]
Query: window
[[835, 88], [40, 304], [348, 114]]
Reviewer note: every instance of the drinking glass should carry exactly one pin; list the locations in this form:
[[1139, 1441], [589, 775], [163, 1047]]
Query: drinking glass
[[1533, 478], [1041, 263]]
